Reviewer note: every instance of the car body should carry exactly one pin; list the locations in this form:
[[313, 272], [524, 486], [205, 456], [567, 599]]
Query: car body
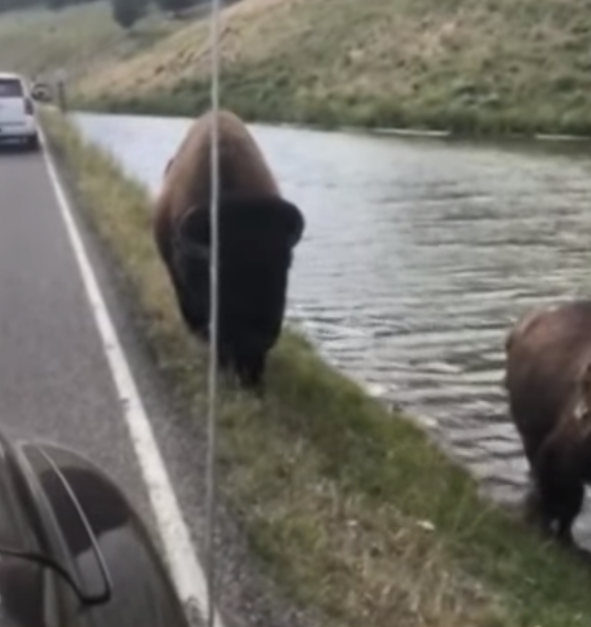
[[18, 121], [73, 552]]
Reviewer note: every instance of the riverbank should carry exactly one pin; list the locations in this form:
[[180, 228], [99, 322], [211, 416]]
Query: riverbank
[[467, 67], [354, 512]]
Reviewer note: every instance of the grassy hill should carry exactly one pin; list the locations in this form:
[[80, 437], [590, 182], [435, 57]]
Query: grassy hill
[[487, 66], [468, 65], [80, 39]]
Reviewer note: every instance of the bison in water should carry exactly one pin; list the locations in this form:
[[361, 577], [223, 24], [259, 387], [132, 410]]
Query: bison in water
[[258, 231], [548, 380]]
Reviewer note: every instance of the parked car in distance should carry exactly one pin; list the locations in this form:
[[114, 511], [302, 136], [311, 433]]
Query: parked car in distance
[[18, 121], [41, 92]]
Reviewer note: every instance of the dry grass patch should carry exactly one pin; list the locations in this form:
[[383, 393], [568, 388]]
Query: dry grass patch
[[488, 66], [351, 508]]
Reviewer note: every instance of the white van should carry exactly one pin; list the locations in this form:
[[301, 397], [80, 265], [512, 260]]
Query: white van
[[17, 111]]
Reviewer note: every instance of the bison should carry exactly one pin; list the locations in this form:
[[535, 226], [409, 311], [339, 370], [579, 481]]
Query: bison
[[548, 380], [258, 230]]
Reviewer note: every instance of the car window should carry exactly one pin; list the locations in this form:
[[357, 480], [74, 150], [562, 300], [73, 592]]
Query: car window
[[10, 88]]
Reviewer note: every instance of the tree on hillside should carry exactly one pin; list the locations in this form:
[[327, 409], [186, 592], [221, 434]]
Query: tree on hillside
[[127, 12], [12, 5], [177, 6], [56, 5]]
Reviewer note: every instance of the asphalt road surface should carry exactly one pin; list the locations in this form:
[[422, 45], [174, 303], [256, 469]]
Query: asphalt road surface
[[55, 382], [60, 381], [54, 378]]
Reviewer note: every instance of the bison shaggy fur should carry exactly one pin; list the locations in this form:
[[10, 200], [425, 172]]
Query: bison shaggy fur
[[258, 231], [548, 380]]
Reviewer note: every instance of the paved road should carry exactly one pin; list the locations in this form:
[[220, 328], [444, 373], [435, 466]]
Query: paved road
[[54, 377], [55, 383]]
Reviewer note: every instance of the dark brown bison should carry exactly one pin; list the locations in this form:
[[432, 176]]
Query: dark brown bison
[[258, 231], [548, 380]]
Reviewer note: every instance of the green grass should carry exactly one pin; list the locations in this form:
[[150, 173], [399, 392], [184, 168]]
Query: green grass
[[80, 39], [469, 66], [351, 508]]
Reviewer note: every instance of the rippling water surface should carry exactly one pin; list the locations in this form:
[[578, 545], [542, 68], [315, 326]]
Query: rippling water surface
[[418, 256]]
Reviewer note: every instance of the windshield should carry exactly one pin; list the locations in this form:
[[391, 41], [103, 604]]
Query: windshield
[[10, 88]]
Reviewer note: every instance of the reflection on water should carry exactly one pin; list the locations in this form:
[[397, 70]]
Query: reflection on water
[[418, 256]]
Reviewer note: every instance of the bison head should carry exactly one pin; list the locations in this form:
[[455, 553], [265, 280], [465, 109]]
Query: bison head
[[257, 235]]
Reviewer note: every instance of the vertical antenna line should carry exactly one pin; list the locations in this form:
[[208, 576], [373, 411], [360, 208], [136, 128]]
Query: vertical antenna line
[[214, 315]]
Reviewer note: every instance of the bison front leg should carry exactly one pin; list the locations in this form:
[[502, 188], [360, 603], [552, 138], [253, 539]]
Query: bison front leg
[[572, 503], [225, 357], [535, 512], [560, 491], [552, 513], [195, 318], [250, 370]]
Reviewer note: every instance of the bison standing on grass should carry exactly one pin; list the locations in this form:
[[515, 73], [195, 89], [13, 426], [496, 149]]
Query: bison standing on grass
[[258, 231], [548, 379]]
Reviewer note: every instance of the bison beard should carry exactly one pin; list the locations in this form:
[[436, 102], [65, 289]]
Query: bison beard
[[549, 385], [255, 252], [258, 231]]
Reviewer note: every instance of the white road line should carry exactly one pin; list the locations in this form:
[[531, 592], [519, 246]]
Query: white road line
[[187, 572]]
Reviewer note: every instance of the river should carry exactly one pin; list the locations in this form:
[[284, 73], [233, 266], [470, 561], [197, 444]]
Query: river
[[418, 256]]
